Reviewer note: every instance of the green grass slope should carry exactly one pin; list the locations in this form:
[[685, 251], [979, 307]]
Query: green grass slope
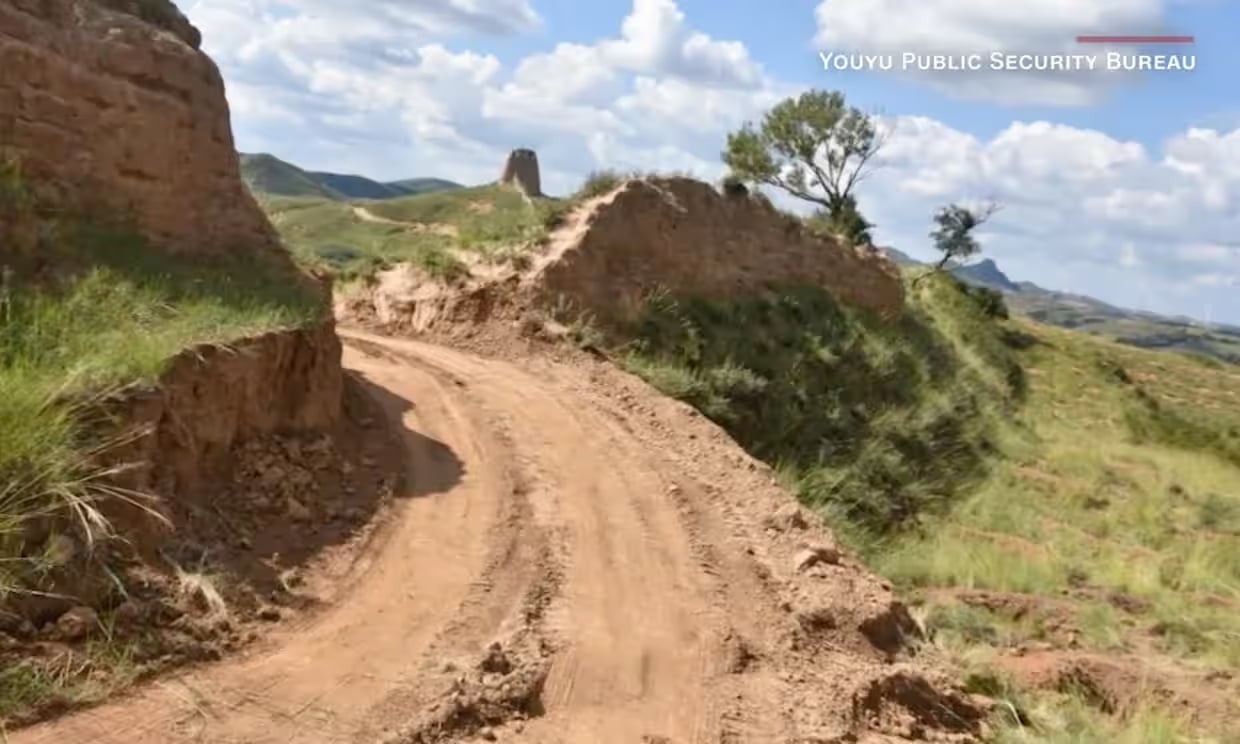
[[414, 186], [1041, 494], [1089, 315], [436, 231], [1134, 329], [114, 313], [354, 187], [267, 174], [881, 423]]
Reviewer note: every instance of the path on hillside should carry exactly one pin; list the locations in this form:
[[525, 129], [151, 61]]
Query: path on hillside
[[439, 228], [597, 533], [365, 215]]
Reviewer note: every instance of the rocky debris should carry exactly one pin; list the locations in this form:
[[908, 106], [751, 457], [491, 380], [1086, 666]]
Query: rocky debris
[[278, 474], [1118, 682], [521, 170], [211, 400], [130, 614], [297, 511], [905, 703], [888, 626], [788, 518], [815, 555], [496, 662], [817, 619], [77, 623], [217, 579], [478, 706], [112, 109]]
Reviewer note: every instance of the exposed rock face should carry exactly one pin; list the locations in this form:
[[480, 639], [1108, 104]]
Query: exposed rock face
[[682, 235], [521, 170], [114, 112]]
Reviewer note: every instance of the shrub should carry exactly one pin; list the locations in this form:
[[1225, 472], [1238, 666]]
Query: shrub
[[734, 187], [882, 422], [117, 320], [989, 301], [599, 183]]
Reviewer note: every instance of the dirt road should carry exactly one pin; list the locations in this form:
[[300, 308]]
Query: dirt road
[[579, 560]]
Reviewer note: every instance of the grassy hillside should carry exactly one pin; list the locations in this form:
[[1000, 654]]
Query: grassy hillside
[[352, 187], [414, 186], [114, 313], [881, 423], [438, 231], [1128, 327], [1064, 510], [267, 175], [1131, 327]]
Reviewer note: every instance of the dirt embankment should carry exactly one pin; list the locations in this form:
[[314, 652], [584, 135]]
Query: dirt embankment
[[682, 235], [575, 558], [210, 399], [246, 468], [661, 234], [114, 113]]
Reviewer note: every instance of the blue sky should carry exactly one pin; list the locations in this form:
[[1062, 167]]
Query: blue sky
[[1125, 189]]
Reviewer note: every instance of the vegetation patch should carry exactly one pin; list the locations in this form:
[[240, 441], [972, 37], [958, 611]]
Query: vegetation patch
[[882, 423], [114, 313], [961, 451], [438, 232]]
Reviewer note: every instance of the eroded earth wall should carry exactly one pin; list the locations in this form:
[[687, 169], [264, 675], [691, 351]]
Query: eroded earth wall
[[684, 236], [114, 112]]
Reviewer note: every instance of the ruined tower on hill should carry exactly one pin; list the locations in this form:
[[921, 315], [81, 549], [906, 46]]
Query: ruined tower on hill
[[521, 170]]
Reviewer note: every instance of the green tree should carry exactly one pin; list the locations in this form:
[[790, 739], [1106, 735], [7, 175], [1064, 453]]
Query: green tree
[[814, 147], [953, 233]]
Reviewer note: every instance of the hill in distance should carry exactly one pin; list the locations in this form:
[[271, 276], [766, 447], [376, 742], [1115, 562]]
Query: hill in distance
[[1133, 327], [270, 176]]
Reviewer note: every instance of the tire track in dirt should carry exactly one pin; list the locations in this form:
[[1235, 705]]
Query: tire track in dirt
[[638, 625], [581, 561], [319, 680]]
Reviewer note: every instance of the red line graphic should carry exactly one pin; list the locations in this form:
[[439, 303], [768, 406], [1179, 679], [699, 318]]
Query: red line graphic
[[1134, 39]]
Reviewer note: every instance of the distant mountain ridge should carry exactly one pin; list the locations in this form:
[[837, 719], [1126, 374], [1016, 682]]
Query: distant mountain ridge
[[1133, 327], [986, 272], [267, 174]]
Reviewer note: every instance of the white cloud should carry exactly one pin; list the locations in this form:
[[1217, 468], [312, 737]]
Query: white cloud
[[1216, 280], [570, 72], [985, 26], [1128, 256], [1079, 205], [655, 38], [1211, 253]]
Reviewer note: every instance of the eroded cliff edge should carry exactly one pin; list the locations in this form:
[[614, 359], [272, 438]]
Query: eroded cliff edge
[[112, 110]]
